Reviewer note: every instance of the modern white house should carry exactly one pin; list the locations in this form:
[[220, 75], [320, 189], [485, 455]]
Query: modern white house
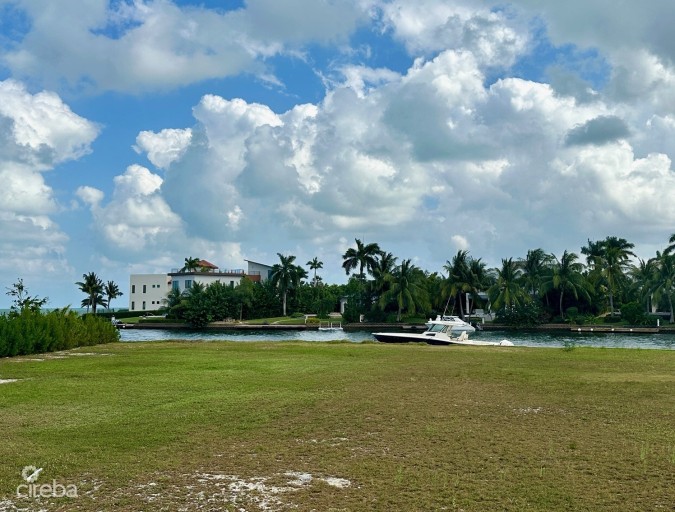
[[148, 291]]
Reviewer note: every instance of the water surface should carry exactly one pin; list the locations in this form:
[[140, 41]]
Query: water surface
[[526, 339]]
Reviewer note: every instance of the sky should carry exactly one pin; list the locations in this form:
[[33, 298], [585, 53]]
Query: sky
[[136, 133]]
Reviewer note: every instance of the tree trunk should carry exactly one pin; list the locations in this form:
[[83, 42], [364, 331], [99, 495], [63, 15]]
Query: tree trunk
[[284, 302], [561, 304], [611, 303]]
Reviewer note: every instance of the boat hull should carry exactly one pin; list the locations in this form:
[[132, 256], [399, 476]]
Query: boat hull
[[396, 337]]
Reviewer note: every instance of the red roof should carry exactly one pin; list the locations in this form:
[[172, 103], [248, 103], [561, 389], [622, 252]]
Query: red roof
[[206, 264]]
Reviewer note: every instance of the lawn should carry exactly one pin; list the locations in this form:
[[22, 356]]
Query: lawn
[[340, 426]]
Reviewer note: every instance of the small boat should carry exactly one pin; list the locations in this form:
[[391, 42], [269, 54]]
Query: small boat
[[439, 332]]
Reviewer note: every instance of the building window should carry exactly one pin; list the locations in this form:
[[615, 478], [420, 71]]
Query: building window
[[188, 283], [133, 305], [174, 285], [143, 305], [133, 288], [144, 288]]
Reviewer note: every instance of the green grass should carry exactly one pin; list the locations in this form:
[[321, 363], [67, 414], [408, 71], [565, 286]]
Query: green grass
[[229, 426]]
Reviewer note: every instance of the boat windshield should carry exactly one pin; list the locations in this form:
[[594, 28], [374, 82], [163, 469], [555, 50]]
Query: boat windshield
[[438, 328]]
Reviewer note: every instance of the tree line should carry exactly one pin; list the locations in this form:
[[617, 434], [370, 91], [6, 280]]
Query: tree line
[[605, 278]]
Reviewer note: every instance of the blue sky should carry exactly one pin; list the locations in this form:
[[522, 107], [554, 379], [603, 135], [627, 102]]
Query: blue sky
[[135, 134]]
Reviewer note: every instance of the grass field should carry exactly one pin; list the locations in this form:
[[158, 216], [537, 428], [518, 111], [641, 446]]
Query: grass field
[[339, 427]]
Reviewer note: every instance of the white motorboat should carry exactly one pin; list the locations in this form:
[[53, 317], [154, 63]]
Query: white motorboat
[[458, 325], [439, 332]]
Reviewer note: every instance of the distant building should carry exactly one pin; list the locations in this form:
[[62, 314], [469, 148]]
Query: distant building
[[148, 291], [258, 272]]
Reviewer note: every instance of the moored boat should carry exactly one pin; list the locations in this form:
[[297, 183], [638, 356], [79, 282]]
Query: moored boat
[[439, 332]]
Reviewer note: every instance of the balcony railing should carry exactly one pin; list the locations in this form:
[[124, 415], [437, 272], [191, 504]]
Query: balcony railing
[[215, 271]]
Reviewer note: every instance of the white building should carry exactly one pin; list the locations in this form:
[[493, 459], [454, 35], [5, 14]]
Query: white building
[[148, 291]]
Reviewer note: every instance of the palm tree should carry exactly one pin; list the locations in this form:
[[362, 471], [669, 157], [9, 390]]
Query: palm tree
[[671, 247], [383, 267], [665, 280], [593, 252], [407, 289], [173, 298], [478, 279], [315, 264], [111, 291], [567, 275], [459, 278], [286, 276], [642, 280], [534, 267], [506, 292], [364, 257], [615, 262], [92, 285], [191, 265]]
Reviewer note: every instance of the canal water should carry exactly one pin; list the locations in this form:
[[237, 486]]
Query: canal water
[[520, 338]]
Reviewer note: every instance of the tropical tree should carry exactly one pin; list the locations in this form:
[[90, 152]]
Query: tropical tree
[[567, 275], [643, 281], [534, 268], [315, 264], [435, 283], [286, 276], [111, 291], [506, 291], [593, 252], [615, 263], [91, 285], [609, 261], [479, 279], [197, 311], [191, 265], [671, 247], [22, 301], [665, 280], [383, 267], [174, 303], [459, 278], [364, 257], [407, 289], [244, 294]]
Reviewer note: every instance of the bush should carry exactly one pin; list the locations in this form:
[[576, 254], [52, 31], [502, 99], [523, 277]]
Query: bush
[[633, 313], [523, 315], [33, 332]]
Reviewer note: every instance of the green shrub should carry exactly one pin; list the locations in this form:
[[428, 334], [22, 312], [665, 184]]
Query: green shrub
[[633, 313], [33, 332], [522, 315]]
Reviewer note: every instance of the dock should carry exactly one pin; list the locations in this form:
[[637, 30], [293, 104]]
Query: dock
[[618, 330]]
